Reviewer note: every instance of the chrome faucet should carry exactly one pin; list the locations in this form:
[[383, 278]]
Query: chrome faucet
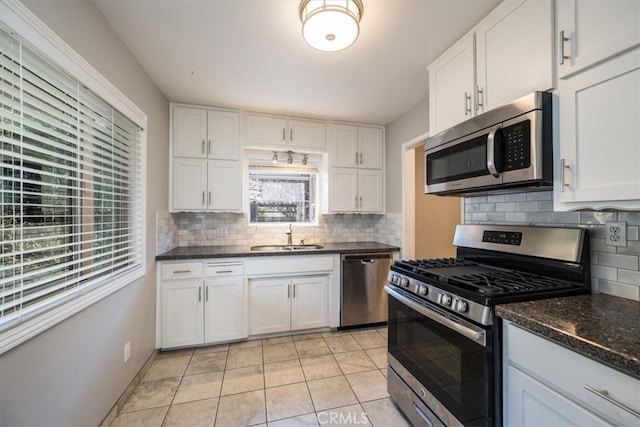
[[289, 236]]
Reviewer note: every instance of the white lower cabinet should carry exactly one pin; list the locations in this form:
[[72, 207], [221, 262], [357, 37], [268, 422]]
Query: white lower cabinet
[[546, 384], [201, 303], [289, 303]]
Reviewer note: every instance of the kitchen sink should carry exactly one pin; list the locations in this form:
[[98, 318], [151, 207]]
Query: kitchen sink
[[273, 248]]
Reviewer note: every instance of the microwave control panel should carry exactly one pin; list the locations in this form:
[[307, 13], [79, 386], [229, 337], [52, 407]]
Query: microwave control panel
[[517, 146]]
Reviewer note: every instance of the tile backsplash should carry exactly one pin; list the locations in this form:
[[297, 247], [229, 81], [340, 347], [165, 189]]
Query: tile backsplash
[[614, 270], [215, 229]]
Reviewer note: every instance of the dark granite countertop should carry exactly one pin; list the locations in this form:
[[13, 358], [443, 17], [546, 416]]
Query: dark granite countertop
[[603, 327], [199, 252]]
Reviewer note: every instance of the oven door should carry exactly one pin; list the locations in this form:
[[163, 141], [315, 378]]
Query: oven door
[[451, 359]]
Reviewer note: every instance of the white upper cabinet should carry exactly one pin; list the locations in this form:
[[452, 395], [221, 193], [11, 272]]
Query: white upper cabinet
[[452, 92], [265, 131], [201, 133], [596, 141], [514, 46], [357, 147], [506, 56], [592, 31]]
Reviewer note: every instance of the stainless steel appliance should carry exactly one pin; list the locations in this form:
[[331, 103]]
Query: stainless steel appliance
[[444, 338], [363, 299], [504, 149]]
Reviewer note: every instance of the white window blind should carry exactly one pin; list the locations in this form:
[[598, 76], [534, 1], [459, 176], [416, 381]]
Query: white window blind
[[70, 187]]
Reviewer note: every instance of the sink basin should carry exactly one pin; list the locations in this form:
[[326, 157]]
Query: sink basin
[[272, 248]]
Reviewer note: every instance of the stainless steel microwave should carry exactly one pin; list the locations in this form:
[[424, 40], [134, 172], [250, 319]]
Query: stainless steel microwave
[[503, 150]]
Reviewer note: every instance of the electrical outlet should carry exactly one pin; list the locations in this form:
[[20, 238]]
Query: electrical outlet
[[616, 233], [127, 351]]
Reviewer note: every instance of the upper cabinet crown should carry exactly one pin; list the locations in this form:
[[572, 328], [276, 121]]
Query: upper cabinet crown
[[508, 55], [201, 133], [285, 133]]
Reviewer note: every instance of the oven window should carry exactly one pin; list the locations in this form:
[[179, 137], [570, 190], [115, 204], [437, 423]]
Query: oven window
[[454, 369], [466, 160]]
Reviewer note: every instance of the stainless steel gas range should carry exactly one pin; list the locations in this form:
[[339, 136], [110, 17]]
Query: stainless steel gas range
[[444, 338]]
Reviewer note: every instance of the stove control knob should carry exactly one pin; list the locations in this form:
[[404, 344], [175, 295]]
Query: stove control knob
[[422, 290], [460, 306], [393, 278], [404, 282], [445, 299]]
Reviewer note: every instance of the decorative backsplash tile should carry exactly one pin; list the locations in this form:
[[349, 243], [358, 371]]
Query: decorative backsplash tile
[[215, 229], [614, 270]]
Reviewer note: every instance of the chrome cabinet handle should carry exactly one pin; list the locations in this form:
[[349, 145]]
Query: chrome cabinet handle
[[563, 168], [563, 39], [291, 134], [288, 291], [203, 146], [181, 271], [283, 133], [360, 201], [209, 147], [294, 290], [200, 294], [224, 271], [467, 104], [491, 152], [209, 197], [604, 394], [480, 99], [203, 202], [206, 294], [360, 158]]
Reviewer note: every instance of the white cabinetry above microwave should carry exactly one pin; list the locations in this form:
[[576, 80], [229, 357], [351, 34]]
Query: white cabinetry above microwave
[[506, 56], [597, 135]]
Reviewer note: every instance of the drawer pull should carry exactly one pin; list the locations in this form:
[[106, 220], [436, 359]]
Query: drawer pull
[[605, 395], [181, 271], [224, 271]]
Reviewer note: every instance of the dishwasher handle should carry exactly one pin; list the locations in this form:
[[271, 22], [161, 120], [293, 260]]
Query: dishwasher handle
[[367, 258]]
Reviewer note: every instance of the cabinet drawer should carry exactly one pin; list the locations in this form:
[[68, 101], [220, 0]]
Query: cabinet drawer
[[569, 372], [222, 269], [181, 270]]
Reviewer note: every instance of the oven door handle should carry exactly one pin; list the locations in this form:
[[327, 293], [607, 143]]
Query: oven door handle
[[476, 335]]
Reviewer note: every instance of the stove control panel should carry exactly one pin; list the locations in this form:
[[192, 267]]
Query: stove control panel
[[502, 237]]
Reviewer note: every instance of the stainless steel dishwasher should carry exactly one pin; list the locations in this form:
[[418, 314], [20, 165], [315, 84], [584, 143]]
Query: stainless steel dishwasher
[[363, 300]]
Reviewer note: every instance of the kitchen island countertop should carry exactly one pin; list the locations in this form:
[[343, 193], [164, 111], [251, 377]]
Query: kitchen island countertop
[[603, 327], [229, 251]]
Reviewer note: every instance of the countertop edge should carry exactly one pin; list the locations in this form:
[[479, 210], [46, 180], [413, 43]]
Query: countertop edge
[[204, 252], [593, 350]]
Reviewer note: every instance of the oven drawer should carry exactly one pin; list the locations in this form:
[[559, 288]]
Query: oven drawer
[[410, 404], [575, 376]]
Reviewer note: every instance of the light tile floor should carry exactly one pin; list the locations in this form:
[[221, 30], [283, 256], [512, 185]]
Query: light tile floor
[[333, 378]]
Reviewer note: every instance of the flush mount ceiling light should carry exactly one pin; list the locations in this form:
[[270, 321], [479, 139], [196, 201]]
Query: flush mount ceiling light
[[330, 25]]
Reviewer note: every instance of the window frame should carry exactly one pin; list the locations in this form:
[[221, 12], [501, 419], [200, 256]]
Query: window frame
[[30, 30]]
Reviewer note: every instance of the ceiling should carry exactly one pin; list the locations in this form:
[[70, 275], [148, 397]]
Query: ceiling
[[249, 54]]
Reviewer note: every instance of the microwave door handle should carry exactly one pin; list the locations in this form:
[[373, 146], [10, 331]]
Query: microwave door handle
[[491, 152]]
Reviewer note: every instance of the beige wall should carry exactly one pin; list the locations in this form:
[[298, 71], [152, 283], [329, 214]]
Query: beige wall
[[73, 373]]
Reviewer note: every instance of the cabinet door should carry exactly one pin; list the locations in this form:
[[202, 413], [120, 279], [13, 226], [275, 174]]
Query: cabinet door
[[343, 190], [223, 131], [307, 135], [531, 403], [267, 131], [370, 148], [189, 184], [451, 86], [189, 132], [344, 146], [370, 191], [182, 313], [596, 30], [598, 136], [270, 305], [514, 52], [224, 185], [310, 303], [224, 309]]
